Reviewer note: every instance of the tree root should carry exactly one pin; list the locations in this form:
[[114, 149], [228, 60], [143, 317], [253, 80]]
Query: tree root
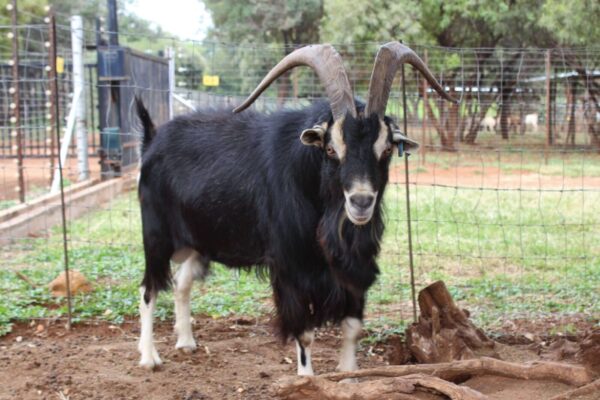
[[389, 388], [402, 381], [459, 371], [451, 350], [593, 387]]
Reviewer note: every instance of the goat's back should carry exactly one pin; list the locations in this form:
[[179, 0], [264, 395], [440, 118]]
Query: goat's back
[[219, 181]]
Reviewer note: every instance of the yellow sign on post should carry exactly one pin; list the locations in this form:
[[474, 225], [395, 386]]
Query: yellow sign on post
[[210, 80], [60, 65]]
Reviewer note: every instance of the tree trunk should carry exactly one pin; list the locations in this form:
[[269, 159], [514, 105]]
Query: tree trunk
[[593, 108], [439, 125], [571, 94], [475, 125], [505, 114]]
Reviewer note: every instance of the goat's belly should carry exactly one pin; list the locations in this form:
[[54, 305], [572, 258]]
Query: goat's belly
[[229, 240]]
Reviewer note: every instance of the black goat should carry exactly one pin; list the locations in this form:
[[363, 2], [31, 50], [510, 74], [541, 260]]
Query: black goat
[[297, 192]]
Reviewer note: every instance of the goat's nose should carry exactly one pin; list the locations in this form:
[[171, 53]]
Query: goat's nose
[[362, 201]]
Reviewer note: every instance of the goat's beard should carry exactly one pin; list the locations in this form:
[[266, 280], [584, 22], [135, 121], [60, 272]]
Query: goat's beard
[[350, 250]]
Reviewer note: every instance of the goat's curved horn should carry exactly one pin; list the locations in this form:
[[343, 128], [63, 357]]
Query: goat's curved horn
[[327, 63], [389, 58]]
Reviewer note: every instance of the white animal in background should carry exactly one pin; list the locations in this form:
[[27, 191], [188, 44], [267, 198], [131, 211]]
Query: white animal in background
[[531, 122], [488, 124]]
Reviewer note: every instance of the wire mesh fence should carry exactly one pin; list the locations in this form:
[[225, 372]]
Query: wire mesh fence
[[505, 191]]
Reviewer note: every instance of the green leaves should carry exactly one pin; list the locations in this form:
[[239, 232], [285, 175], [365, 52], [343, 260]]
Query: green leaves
[[572, 23]]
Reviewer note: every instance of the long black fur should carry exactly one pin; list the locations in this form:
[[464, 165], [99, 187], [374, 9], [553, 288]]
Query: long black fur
[[242, 190], [148, 125]]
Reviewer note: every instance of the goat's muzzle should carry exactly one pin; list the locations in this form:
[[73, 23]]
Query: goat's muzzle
[[359, 206]]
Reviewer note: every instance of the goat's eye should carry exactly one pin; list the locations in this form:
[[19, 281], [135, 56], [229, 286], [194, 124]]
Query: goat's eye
[[330, 151], [388, 150]]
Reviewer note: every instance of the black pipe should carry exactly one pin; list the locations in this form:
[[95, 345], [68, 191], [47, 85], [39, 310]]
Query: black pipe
[[113, 26]]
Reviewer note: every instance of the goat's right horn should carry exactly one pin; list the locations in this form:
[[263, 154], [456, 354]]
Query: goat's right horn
[[389, 58], [328, 65]]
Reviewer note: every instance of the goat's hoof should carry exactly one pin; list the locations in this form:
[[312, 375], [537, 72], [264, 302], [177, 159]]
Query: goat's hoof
[[150, 364], [186, 347], [151, 361]]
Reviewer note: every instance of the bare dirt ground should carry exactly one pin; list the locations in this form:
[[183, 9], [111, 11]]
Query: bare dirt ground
[[37, 175], [238, 358]]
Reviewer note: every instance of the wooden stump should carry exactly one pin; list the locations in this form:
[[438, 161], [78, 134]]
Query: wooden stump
[[589, 351], [444, 332]]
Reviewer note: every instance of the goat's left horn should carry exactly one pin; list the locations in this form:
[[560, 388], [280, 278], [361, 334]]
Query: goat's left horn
[[328, 65], [389, 58]]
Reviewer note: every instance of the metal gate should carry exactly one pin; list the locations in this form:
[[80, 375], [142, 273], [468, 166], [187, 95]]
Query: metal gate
[[124, 73]]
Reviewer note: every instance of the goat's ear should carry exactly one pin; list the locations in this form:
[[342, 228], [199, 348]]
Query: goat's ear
[[314, 136], [410, 146]]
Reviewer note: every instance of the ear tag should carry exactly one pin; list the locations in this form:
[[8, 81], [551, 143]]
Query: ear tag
[[405, 144], [401, 148]]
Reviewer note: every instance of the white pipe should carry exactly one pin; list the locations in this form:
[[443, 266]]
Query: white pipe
[[185, 102], [80, 109], [66, 141]]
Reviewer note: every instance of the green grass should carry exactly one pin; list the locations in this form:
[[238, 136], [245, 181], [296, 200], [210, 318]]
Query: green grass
[[503, 254], [106, 247]]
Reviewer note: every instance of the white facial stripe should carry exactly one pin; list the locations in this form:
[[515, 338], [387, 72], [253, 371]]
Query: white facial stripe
[[382, 140], [361, 186], [337, 138]]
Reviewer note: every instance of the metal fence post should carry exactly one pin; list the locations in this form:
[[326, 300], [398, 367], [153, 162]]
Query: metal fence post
[[171, 57], [80, 107], [52, 96], [16, 132], [424, 140], [548, 103], [56, 109], [413, 288]]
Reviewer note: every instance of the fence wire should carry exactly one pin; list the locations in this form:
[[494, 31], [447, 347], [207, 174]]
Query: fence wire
[[505, 191]]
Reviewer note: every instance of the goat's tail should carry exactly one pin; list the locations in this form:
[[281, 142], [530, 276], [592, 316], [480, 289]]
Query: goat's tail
[[149, 129]]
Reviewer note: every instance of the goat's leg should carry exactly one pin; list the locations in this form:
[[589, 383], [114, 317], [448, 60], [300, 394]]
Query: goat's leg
[[192, 268], [150, 358], [303, 348], [294, 318], [351, 328]]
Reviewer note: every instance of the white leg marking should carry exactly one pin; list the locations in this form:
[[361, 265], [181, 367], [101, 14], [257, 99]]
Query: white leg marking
[[184, 279], [305, 341], [351, 327], [150, 358]]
